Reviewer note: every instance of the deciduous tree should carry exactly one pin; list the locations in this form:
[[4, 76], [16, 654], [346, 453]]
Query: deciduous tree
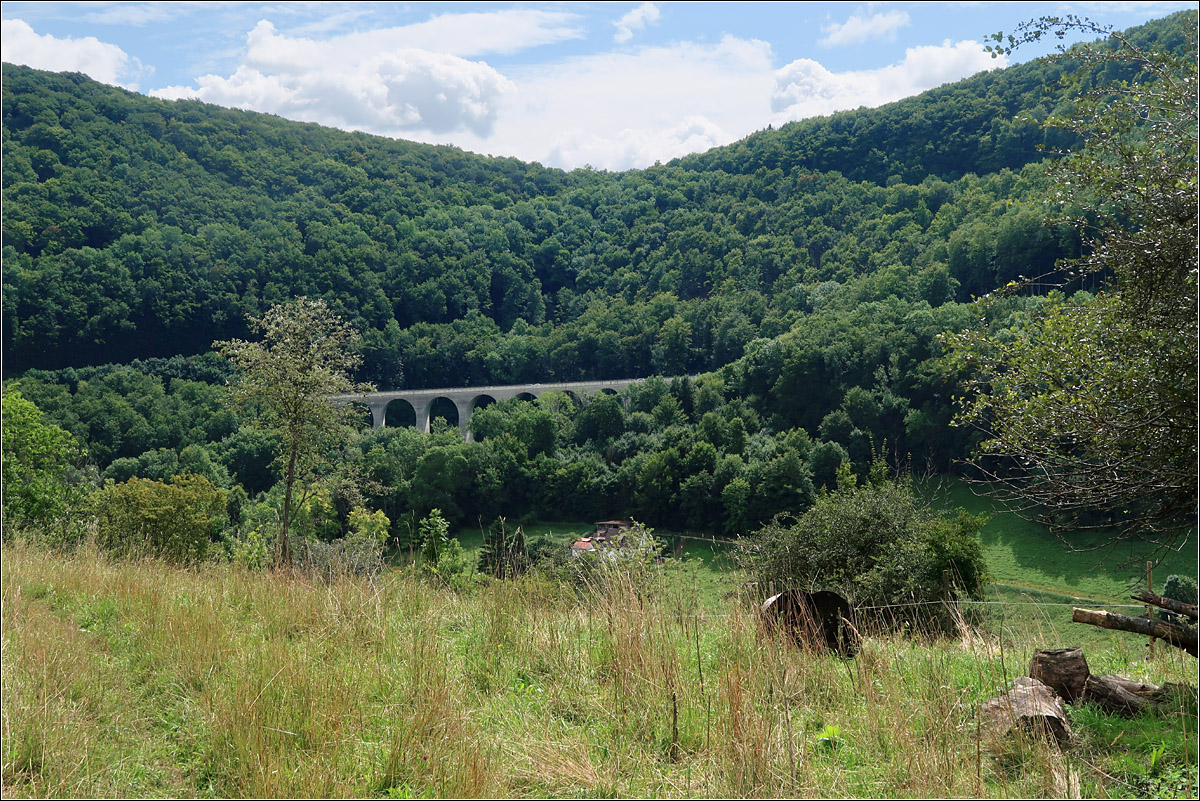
[[306, 356], [1088, 411]]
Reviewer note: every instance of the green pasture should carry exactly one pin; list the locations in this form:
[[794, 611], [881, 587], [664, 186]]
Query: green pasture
[[1036, 575]]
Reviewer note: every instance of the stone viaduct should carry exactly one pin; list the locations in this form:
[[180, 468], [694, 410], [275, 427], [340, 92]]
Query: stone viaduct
[[468, 399]]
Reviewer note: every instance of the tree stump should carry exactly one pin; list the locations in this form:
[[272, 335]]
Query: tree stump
[[1064, 670], [1118, 695], [1029, 705], [821, 618]]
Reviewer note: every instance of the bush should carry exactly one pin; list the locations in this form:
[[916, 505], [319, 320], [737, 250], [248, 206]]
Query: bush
[[173, 520], [443, 559], [504, 552], [358, 553], [1180, 588], [877, 545], [42, 483]]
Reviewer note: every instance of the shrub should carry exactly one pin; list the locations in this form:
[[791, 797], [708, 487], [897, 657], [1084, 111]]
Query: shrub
[[1179, 588], [876, 544], [173, 520], [504, 553], [442, 558], [41, 480], [358, 553]]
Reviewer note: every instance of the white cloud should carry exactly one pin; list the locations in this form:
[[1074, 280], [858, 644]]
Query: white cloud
[[477, 34], [629, 109], [861, 29], [412, 80], [636, 147], [330, 23], [105, 62], [347, 83], [635, 20], [615, 110], [805, 88]]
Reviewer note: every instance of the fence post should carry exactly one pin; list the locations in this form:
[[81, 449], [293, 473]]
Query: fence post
[[1149, 608]]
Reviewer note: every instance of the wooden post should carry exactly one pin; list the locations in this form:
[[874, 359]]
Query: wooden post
[[1149, 608]]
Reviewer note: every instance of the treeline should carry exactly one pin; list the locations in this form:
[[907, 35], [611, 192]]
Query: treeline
[[722, 453], [137, 228]]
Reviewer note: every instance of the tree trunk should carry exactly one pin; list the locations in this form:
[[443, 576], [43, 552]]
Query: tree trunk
[[1064, 670], [285, 552], [1030, 704], [1170, 604], [1178, 636]]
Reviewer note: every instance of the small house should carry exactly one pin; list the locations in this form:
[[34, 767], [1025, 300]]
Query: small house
[[611, 530], [582, 545]]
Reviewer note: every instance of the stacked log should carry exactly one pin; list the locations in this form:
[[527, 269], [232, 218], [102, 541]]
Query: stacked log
[[1180, 636], [1061, 675], [1064, 670], [1029, 705]]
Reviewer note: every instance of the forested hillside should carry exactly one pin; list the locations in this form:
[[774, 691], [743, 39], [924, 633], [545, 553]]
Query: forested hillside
[[136, 227], [813, 266]]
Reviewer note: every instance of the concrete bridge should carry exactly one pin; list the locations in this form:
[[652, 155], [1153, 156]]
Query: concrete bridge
[[467, 399]]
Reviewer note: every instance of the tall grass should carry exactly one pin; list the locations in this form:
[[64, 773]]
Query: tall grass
[[148, 679]]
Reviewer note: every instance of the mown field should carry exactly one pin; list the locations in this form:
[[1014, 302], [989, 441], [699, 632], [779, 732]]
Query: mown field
[[148, 679]]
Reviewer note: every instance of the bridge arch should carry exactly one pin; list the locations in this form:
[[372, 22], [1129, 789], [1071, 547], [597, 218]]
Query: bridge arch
[[445, 408], [400, 413]]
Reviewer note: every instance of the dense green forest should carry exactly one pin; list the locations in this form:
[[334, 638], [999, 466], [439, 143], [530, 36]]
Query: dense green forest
[[806, 273]]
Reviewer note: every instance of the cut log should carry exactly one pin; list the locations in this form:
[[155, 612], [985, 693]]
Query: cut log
[[1136, 687], [1030, 705], [1170, 604], [1179, 636], [1064, 670], [1115, 694]]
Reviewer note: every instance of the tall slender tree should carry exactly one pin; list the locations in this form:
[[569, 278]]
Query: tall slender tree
[[306, 356]]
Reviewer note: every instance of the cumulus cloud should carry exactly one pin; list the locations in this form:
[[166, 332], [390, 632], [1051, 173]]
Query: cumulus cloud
[[861, 29], [629, 109], [105, 62], [636, 147], [804, 88], [344, 82], [635, 20]]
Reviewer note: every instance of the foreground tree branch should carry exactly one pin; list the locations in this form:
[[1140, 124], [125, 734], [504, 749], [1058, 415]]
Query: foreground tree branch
[[1088, 406]]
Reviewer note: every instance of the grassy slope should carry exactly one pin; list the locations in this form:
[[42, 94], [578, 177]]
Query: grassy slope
[[1025, 556], [144, 679]]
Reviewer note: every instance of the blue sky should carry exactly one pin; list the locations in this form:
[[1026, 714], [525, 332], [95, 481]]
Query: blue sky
[[614, 85]]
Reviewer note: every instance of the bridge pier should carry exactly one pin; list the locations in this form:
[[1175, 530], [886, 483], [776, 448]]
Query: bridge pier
[[378, 414]]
